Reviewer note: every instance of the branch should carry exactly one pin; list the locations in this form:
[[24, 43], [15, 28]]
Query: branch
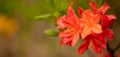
[[117, 47], [112, 51]]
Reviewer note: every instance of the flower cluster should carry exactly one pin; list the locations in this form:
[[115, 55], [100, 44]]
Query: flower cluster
[[92, 26]]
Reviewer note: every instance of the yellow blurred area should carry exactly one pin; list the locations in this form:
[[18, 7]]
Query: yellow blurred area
[[8, 25]]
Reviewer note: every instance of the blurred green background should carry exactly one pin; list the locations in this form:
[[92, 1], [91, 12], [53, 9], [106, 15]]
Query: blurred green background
[[23, 22]]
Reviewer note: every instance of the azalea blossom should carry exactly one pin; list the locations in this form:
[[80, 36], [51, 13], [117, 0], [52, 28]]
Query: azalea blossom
[[70, 23], [93, 39], [90, 23], [93, 26], [96, 41], [107, 20]]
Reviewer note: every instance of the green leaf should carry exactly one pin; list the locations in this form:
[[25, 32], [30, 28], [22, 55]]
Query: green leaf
[[47, 6], [45, 16], [100, 3], [83, 4], [57, 4], [63, 6], [51, 32]]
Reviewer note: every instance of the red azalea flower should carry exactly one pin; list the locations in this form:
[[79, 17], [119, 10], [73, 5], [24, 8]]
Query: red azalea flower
[[72, 27], [102, 10], [107, 20], [94, 41], [106, 23], [90, 22], [93, 26], [88, 18]]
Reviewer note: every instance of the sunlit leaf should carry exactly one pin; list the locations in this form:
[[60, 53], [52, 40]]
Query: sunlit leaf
[[45, 16], [51, 32]]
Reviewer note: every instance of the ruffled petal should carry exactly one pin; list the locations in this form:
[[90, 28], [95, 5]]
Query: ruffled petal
[[60, 22], [69, 37], [97, 18], [99, 38], [83, 47], [108, 33], [80, 11], [71, 21], [71, 18], [102, 42], [66, 33], [66, 41], [70, 40], [72, 26], [108, 20], [85, 32], [75, 39], [87, 14], [111, 17], [96, 28], [71, 12], [96, 46], [104, 8], [93, 5]]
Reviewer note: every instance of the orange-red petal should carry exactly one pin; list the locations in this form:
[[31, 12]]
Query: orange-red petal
[[83, 47], [96, 28], [85, 32], [104, 8], [93, 5]]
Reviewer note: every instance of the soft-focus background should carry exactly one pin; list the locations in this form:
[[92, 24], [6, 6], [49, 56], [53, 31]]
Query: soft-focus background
[[22, 35]]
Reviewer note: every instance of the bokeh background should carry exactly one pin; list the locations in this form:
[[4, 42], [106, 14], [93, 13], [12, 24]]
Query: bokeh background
[[22, 34]]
